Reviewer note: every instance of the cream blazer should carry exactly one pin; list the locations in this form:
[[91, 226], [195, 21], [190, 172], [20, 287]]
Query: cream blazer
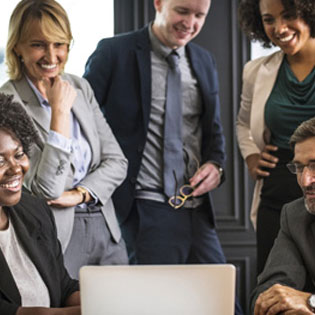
[[259, 77]]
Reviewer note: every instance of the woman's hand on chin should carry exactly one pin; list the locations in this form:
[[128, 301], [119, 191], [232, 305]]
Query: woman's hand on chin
[[60, 94]]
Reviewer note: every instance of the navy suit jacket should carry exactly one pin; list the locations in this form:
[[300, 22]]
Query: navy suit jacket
[[35, 228], [119, 72]]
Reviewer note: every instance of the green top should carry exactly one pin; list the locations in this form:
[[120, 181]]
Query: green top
[[290, 103]]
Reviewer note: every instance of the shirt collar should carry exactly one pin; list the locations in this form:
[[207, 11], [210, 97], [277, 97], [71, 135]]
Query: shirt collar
[[159, 48], [43, 102]]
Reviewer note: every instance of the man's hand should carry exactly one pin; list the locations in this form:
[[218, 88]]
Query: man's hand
[[281, 299], [205, 179]]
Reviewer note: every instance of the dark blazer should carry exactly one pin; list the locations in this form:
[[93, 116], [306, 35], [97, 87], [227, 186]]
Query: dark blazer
[[35, 229], [291, 261], [119, 72]]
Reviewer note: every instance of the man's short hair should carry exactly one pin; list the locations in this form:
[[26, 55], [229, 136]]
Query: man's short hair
[[304, 131]]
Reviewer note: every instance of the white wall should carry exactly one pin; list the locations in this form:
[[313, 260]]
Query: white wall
[[258, 51]]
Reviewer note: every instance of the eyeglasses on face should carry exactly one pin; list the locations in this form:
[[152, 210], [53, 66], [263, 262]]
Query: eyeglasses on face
[[298, 168], [177, 201]]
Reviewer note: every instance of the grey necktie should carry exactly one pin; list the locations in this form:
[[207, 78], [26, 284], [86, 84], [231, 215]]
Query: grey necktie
[[173, 144]]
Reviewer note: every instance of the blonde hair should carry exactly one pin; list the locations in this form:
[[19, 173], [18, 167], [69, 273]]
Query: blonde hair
[[53, 22]]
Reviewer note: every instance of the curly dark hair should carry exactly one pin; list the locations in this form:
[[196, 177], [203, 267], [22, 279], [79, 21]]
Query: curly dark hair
[[15, 120], [251, 22]]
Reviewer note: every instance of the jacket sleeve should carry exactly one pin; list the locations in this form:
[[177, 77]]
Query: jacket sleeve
[[243, 127], [285, 264], [213, 141], [98, 71], [49, 169]]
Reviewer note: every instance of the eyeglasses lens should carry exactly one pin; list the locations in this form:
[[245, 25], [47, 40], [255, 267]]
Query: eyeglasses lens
[[186, 190], [175, 201]]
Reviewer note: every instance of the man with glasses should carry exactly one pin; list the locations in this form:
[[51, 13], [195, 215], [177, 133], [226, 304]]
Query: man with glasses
[[159, 93], [287, 284]]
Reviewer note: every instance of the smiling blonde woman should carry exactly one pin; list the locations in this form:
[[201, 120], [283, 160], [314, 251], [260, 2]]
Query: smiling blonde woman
[[77, 163]]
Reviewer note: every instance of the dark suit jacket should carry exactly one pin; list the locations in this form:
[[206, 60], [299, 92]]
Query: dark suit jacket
[[291, 261], [119, 72], [35, 229]]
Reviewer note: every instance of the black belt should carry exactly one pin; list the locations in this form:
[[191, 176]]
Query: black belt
[[88, 209]]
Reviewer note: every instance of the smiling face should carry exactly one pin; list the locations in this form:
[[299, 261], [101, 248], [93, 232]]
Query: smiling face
[[304, 153], [41, 57], [283, 28], [13, 165], [177, 22]]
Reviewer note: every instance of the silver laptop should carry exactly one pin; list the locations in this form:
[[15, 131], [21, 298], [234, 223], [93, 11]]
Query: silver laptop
[[158, 290]]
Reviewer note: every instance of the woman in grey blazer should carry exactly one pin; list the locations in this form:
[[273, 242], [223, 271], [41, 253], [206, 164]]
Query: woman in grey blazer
[[77, 163], [278, 94]]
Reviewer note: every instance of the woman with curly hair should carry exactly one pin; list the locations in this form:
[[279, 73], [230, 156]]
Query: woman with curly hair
[[33, 279], [278, 94]]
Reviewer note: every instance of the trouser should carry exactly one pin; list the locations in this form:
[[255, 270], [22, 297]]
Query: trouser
[[91, 244], [156, 233]]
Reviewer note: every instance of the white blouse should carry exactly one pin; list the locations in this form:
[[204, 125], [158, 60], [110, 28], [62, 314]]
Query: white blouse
[[29, 282]]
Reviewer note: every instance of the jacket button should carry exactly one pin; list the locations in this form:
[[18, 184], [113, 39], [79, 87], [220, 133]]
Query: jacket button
[[133, 180]]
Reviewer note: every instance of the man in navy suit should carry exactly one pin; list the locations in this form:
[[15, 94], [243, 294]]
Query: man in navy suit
[[128, 75]]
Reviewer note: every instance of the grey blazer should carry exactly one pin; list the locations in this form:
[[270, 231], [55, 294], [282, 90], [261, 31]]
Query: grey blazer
[[51, 170], [291, 261]]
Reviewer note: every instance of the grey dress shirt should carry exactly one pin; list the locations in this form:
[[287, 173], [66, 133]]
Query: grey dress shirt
[[150, 178]]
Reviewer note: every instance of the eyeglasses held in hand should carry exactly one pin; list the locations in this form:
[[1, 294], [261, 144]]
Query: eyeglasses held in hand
[[177, 201], [297, 168], [185, 192]]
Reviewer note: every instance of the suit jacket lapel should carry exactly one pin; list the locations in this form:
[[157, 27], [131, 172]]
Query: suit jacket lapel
[[32, 242], [264, 83], [40, 115], [7, 283], [199, 71], [144, 66]]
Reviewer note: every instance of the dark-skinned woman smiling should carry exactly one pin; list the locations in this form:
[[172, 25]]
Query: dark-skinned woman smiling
[[33, 279]]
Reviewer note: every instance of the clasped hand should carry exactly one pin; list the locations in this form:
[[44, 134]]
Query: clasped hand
[[280, 299]]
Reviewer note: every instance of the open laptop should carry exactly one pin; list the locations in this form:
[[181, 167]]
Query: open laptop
[[158, 290]]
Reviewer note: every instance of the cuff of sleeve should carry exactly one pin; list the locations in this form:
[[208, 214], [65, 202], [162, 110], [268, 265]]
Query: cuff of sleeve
[[58, 141], [220, 169], [94, 201]]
